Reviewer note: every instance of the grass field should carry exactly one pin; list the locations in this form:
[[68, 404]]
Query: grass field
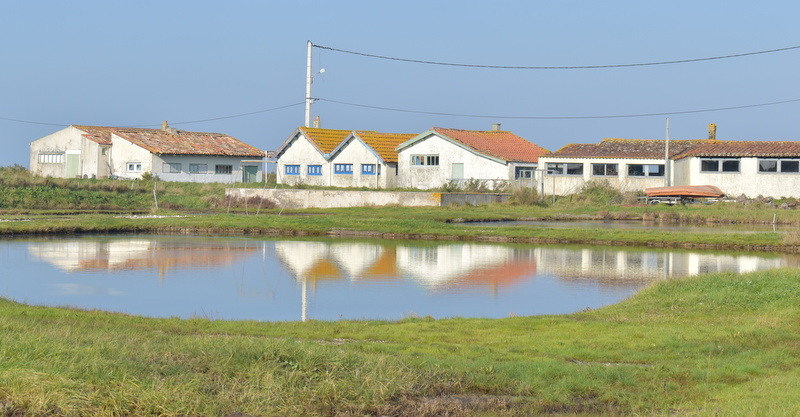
[[713, 345], [719, 344]]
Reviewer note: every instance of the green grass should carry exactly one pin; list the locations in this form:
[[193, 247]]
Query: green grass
[[719, 344]]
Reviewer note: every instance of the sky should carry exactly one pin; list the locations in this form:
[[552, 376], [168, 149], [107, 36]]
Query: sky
[[239, 67]]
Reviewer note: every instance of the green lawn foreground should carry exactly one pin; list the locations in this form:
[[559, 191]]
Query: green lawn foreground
[[713, 345]]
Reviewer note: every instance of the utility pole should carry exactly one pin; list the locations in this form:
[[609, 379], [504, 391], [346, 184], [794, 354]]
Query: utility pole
[[667, 170], [309, 80]]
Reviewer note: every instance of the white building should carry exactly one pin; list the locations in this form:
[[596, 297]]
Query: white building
[[752, 168], [339, 158], [440, 156], [170, 154]]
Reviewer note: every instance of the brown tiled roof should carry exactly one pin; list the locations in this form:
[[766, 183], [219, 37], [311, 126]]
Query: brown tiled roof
[[626, 148], [744, 149], [497, 143], [384, 143], [175, 142], [326, 140]]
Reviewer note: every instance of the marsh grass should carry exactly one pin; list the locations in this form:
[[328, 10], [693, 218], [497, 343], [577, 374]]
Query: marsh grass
[[717, 344]]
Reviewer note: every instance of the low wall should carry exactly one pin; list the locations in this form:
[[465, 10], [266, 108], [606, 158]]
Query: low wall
[[299, 199]]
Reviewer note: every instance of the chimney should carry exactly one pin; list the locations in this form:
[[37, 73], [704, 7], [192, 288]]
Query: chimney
[[496, 127], [712, 131], [316, 122], [171, 130]]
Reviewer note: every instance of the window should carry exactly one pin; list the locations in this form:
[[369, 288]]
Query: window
[[779, 165], [314, 170], [346, 169], [605, 170], [171, 168], [198, 168], [223, 169], [367, 169], [134, 166], [564, 169], [51, 158], [645, 170], [523, 173], [719, 165], [425, 160], [291, 169]]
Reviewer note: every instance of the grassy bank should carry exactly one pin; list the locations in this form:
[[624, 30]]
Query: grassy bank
[[401, 223], [719, 344]]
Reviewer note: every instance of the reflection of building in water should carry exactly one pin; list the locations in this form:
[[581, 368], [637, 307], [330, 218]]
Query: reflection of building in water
[[466, 264], [613, 264], [434, 266], [134, 254]]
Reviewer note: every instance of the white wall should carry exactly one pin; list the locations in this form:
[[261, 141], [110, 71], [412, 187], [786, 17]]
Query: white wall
[[209, 175], [122, 152], [569, 184], [302, 152], [428, 177], [747, 181]]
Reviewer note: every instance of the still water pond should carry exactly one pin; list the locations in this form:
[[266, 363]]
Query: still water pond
[[237, 278]]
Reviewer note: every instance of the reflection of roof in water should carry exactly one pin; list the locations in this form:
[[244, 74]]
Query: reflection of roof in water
[[496, 276]]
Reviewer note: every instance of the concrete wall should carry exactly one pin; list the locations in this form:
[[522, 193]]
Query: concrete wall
[[427, 177], [569, 184], [299, 199], [302, 152]]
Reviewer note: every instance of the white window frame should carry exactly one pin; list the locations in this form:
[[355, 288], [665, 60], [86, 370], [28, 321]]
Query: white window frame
[[605, 170], [51, 158], [425, 160], [646, 170], [133, 166], [565, 168], [778, 165], [720, 162]]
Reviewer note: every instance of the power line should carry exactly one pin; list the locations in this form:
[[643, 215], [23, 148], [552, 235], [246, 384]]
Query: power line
[[176, 123], [642, 64], [561, 117]]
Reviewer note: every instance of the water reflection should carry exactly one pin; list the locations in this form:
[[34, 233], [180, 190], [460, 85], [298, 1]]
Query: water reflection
[[238, 278]]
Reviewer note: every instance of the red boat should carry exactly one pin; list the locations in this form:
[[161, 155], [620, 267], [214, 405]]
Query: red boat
[[694, 191]]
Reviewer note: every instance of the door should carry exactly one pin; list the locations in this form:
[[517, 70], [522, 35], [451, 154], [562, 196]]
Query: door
[[250, 173], [73, 165]]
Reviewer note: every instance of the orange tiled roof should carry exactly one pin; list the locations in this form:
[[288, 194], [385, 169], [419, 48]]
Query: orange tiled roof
[[497, 143], [326, 140], [176, 142], [728, 148], [384, 143], [626, 148]]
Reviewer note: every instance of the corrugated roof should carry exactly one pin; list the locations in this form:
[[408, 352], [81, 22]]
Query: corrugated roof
[[326, 140], [626, 148], [384, 143], [175, 142], [497, 143]]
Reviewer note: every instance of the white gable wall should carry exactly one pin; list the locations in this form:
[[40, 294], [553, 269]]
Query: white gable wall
[[428, 177], [124, 152], [357, 153], [302, 152], [68, 144]]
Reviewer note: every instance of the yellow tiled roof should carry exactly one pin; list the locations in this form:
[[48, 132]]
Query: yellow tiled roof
[[326, 140], [384, 143]]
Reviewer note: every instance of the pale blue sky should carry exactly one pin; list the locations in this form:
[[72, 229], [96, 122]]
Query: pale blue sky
[[137, 63]]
